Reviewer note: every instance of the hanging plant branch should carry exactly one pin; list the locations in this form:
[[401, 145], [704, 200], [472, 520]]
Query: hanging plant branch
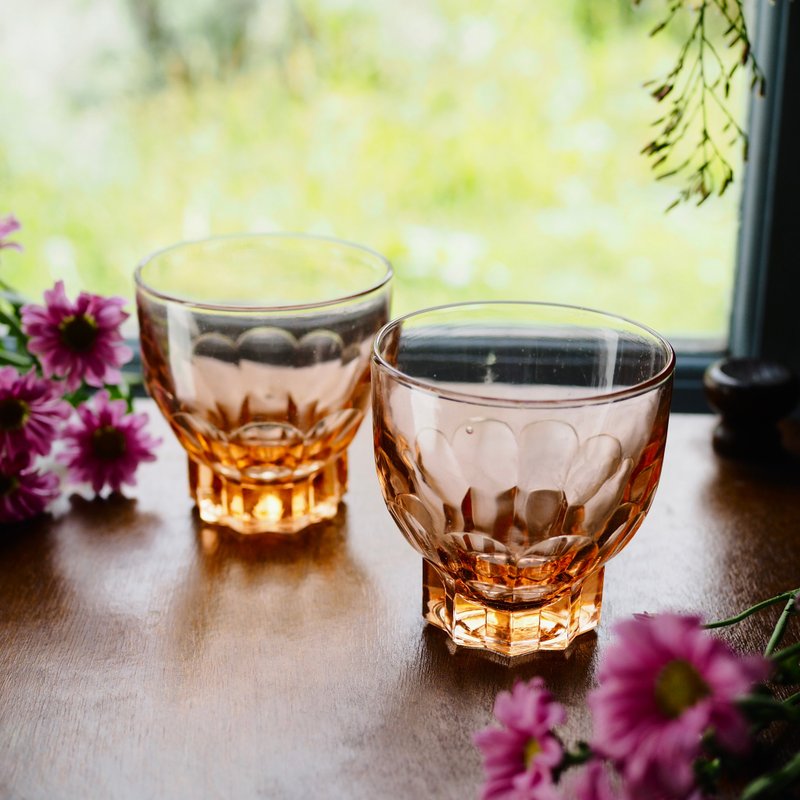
[[698, 129]]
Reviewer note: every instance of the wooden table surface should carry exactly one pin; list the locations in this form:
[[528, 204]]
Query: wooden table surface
[[143, 655]]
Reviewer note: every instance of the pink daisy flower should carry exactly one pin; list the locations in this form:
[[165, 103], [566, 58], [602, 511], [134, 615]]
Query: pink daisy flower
[[596, 780], [9, 225], [24, 492], [78, 341], [664, 684], [535, 783], [105, 445], [31, 412], [518, 758]]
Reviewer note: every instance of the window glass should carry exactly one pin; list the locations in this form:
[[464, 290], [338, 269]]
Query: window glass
[[489, 150]]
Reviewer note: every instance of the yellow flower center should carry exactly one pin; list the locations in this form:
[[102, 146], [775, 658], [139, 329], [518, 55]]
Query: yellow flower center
[[108, 443], [679, 686], [532, 749], [13, 414], [8, 483], [78, 332]]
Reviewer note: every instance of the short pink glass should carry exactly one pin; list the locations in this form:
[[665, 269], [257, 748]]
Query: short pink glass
[[518, 447], [256, 350]]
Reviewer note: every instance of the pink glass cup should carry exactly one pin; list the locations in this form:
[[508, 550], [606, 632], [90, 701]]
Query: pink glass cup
[[256, 350], [518, 447]]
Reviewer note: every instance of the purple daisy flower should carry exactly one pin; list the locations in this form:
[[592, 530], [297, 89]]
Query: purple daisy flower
[[105, 445], [519, 758], [31, 412], [78, 341], [9, 225], [664, 684], [24, 491]]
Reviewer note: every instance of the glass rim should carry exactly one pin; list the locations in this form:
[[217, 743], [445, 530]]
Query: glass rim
[[144, 286], [660, 377]]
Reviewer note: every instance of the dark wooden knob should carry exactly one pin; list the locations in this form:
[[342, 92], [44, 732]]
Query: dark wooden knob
[[751, 396]]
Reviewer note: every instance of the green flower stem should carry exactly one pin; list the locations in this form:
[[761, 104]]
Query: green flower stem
[[787, 652], [774, 784], [780, 627], [753, 610], [792, 699], [573, 758]]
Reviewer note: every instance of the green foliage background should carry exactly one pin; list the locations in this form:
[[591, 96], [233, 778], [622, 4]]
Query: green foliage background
[[488, 149]]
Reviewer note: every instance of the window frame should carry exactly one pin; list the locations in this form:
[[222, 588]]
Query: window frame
[[763, 323]]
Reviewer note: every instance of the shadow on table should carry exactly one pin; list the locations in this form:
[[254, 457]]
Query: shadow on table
[[439, 657], [269, 588], [428, 713], [114, 518], [318, 544], [102, 515]]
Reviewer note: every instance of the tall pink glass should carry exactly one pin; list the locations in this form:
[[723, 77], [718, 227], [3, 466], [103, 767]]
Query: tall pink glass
[[518, 446], [256, 350]]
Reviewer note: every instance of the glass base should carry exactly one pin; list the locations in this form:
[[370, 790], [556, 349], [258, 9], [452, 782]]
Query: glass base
[[286, 507], [507, 631]]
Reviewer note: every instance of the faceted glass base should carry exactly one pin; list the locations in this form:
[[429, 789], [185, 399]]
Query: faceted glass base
[[286, 507], [508, 631]]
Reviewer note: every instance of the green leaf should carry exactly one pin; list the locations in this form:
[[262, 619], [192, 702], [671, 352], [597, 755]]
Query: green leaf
[[13, 325], [700, 87], [774, 784], [792, 651], [121, 391], [658, 28], [765, 708], [79, 396], [14, 298], [15, 359]]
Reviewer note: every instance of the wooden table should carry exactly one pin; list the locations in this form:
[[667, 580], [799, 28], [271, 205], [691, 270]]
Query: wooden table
[[143, 655]]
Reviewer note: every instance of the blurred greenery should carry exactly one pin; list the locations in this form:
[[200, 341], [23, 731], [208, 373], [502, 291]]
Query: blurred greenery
[[490, 150]]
